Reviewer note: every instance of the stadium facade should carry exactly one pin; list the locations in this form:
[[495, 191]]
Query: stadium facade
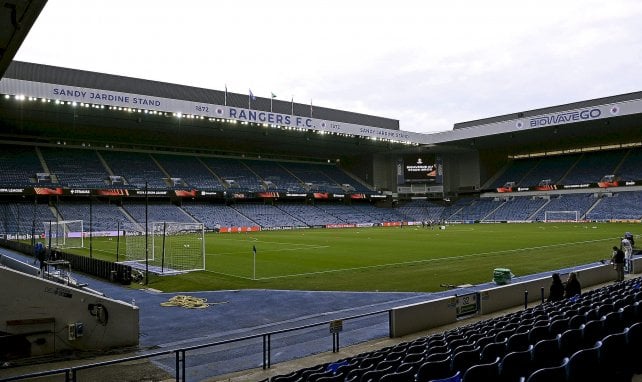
[[47, 105]]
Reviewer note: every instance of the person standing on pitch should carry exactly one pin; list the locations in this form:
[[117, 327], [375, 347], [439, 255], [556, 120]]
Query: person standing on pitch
[[618, 263]]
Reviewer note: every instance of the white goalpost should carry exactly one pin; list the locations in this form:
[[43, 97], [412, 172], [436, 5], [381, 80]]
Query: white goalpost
[[561, 216], [171, 246], [64, 234]]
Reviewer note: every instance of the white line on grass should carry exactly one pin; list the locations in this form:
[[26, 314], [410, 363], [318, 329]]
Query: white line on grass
[[435, 260], [230, 275], [269, 251], [255, 240]]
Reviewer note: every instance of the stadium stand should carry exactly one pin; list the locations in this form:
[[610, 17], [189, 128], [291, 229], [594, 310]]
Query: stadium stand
[[347, 182], [138, 169], [515, 171], [477, 210], [590, 168], [24, 218], [268, 216], [452, 208], [421, 210], [188, 172], [234, 174], [312, 216], [483, 349], [75, 167], [621, 205], [516, 209], [105, 217], [348, 214], [275, 177], [157, 212], [631, 167], [567, 202], [20, 166], [313, 176], [549, 168], [214, 216], [380, 215]]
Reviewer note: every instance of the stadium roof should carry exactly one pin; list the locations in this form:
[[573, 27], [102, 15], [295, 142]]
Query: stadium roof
[[17, 18], [86, 79], [601, 122]]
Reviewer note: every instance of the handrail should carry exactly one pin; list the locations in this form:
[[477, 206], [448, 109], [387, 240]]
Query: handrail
[[180, 353]]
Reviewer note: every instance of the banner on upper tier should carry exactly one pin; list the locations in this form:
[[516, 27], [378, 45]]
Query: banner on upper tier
[[31, 89]]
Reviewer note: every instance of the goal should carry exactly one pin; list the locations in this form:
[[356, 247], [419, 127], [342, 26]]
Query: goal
[[172, 246], [64, 234], [561, 216]]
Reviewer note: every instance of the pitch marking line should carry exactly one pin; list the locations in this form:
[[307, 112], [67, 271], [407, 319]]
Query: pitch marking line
[[433, 260], [268, 251]]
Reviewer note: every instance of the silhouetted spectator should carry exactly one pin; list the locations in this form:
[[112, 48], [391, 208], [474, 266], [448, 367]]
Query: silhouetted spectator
[[573, 287], [556, 292]]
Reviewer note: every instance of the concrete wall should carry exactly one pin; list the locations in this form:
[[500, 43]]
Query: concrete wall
[[427, 315], [422, 316], [44, 308]]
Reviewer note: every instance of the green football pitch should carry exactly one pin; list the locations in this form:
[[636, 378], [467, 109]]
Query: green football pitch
[[384, 259]]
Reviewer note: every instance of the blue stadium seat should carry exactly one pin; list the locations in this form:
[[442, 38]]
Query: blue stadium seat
[[584, 365], [483, 372], [570, 341], [546, 353], [549, 374], [515, 365], [453, 378], [463, 360], [615, 355], [434, 369]]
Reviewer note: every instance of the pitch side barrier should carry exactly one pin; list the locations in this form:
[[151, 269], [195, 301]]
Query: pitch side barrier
[[107, 270], [427, 315]]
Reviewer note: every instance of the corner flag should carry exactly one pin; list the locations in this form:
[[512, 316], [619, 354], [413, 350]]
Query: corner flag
[[254, 263]]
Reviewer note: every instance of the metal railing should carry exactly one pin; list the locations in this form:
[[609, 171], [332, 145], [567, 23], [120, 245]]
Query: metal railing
[[180, 354]]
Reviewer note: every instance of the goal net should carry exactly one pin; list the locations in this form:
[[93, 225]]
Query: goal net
[[64, 234], [171, 246], [561, 216]]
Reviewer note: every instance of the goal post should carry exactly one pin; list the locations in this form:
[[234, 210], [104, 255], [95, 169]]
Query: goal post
[[561, 216], [64, 234], [171, 246]]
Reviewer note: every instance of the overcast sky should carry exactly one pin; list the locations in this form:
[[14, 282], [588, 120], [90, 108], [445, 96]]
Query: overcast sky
[[428, 64]]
